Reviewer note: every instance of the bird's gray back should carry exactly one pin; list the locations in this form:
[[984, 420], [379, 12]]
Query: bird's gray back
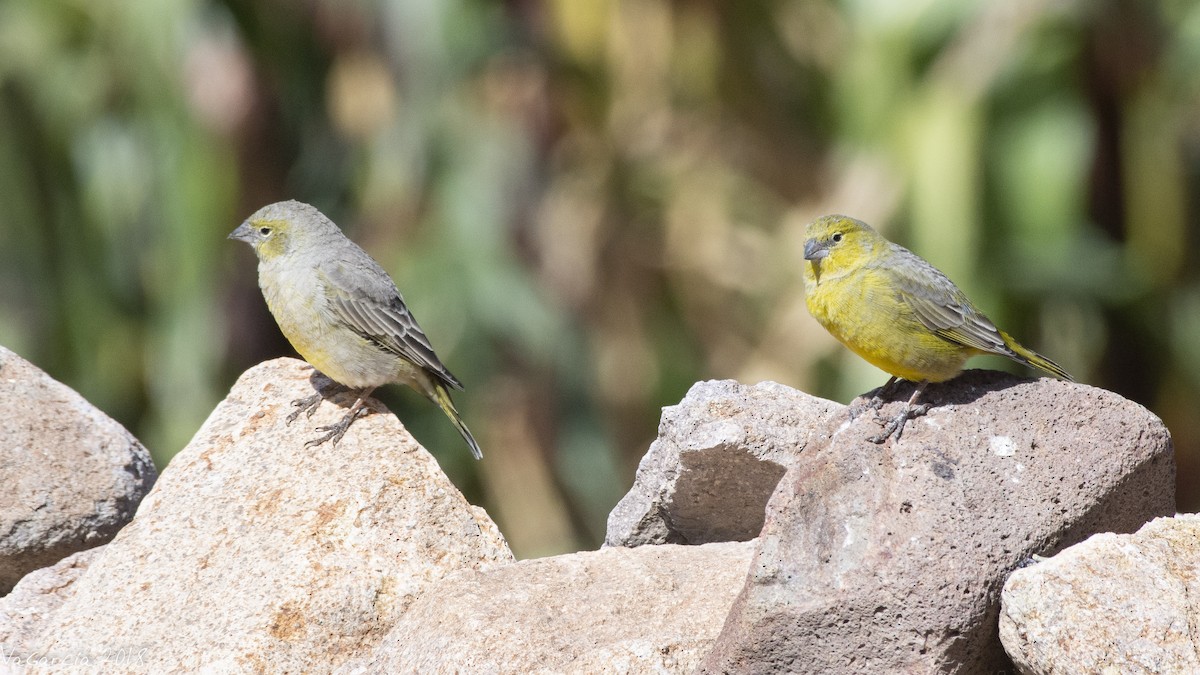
[[940, 304], [364, 297]]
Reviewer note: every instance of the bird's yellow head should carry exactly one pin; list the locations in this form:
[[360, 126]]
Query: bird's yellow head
[[269, 238], [837, 245]]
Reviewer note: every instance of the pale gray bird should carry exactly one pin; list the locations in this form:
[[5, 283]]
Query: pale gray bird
[[342, 313]]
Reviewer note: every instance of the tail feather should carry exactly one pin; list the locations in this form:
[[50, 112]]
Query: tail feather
[[1022, 354], [441, 396]]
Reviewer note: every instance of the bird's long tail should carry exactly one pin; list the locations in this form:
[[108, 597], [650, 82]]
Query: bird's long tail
[[441, 396], [1029, 357]]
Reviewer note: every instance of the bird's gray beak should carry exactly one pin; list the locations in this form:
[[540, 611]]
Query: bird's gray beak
[[813, 250], [246, 233]]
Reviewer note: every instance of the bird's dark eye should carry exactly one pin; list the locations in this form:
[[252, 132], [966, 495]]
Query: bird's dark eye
[[837, 236], [264, 231]]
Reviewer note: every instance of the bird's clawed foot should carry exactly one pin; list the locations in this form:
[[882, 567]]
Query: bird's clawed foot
[[337, 430], [895, 426], [307, 405]]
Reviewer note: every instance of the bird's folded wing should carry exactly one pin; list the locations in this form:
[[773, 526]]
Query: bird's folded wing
[[942, 307], [367, 301]]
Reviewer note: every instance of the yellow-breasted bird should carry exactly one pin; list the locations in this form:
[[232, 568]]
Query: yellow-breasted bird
[[342, 313], [894, 309]]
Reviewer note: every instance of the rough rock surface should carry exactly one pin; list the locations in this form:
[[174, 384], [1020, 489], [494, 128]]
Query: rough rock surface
[[25, 611], [718, 457], [891, 558], [255, 553], [72, 475], [1115, 603], [652, 609]]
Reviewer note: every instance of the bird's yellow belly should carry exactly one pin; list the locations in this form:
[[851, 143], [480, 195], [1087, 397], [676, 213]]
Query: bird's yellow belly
[[876, 324]]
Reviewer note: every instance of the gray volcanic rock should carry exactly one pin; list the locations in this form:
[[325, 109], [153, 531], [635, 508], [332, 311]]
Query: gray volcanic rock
[[891, 558], [719, 455]]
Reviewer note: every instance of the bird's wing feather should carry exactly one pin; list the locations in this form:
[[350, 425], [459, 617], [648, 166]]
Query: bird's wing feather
[[940, 305], [362, 295]]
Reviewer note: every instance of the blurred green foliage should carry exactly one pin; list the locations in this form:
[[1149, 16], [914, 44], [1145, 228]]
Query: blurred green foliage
[[591, 205]]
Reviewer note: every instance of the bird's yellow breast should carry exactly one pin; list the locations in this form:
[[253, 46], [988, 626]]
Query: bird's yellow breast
[[864, 311], [298, 300]]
